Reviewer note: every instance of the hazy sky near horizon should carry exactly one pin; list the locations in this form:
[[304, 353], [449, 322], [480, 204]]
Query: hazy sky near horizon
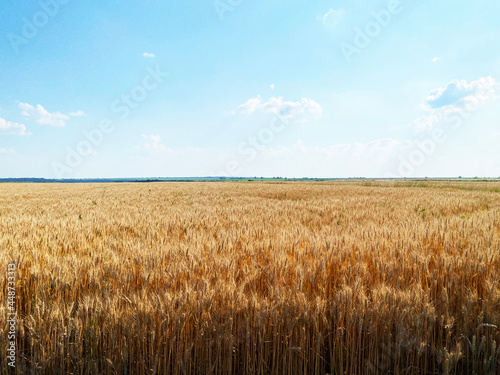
[[295, 88]]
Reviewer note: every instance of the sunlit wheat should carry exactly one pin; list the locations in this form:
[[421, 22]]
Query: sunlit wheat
[[247, 278]]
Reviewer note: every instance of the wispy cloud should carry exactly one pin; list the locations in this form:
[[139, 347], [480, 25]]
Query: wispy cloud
[[41, 116], [12, 128], [302, 110], [366, 159], [6, 151], [148, 55], [152, 143], [78, 113], [436, 59], [332, 17], [426, 122]]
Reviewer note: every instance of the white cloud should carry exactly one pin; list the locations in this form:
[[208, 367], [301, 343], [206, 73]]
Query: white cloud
[[301, 111], [251, 105], [78, 113], [153, 146], [271, 86], [457, 96], [148, 55], [426, 122], [332, 17], [463, 95], [13, 128], [41, 116], [152, 143], [436, 59], [6, 151]]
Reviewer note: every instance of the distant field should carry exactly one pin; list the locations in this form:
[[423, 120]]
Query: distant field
[[362, 277]]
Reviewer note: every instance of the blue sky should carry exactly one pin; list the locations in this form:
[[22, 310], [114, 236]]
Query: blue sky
[[249, 88]]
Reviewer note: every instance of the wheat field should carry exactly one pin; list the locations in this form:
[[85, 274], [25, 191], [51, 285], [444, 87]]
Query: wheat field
[[253, 277]]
